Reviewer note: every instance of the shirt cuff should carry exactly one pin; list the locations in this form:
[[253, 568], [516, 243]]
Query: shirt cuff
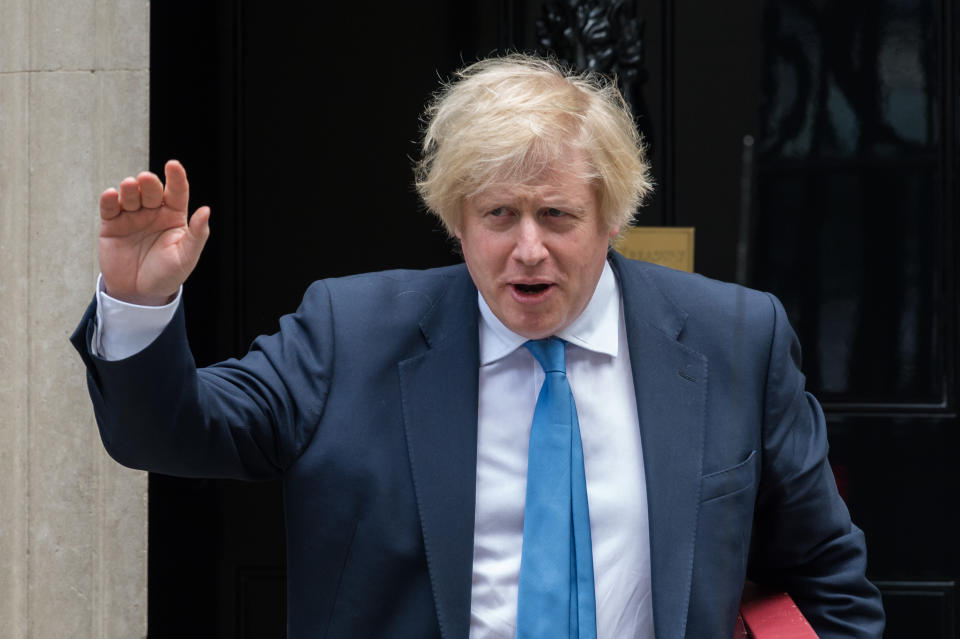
[[126, 329]]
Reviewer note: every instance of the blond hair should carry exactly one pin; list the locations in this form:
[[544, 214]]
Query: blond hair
[[509, 118]]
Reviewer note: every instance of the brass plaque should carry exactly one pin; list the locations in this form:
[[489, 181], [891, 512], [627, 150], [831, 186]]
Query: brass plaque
[[665, 245]]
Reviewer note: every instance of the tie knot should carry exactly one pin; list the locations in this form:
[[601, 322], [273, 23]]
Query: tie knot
[[549, 353]]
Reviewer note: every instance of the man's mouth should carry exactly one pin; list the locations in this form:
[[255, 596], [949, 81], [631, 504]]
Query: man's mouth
[[530, 289]]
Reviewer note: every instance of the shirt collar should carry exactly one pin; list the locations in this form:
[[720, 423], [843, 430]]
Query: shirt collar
[[596, 329]]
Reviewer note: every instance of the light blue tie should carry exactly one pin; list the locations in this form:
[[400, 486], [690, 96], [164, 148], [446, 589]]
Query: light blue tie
[[556, 598]]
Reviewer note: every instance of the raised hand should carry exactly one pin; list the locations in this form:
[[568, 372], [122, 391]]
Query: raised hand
[[147, 248]]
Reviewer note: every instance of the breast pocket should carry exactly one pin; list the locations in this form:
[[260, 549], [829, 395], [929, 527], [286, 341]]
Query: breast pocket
[[730, 480]]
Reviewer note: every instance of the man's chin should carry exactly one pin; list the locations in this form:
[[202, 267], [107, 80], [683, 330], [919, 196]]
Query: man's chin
[[533, 327]]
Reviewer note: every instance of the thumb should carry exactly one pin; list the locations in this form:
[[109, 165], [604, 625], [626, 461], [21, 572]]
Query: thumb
[[198, 231]]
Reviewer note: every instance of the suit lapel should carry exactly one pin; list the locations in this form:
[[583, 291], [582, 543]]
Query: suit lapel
[[439, 393], [670, 382]]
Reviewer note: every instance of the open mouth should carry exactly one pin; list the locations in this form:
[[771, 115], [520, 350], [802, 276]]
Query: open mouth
[[530, 289]]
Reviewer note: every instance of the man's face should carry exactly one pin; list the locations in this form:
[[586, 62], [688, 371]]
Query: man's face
[[536, 250]]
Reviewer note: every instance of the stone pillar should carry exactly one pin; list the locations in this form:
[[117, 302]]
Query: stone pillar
[[73, 120]]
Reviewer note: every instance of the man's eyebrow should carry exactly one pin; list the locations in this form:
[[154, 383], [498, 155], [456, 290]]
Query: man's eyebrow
[[570, 208], [564, 205], [495, 197]]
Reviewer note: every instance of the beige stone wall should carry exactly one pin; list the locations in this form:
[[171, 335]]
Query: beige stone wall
[[73, 120]]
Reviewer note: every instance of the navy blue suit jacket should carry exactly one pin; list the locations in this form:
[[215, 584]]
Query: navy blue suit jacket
[[365, 403]]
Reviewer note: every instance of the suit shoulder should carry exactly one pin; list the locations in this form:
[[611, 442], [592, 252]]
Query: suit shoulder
[[391, 295], [705, 300], [691, 290]]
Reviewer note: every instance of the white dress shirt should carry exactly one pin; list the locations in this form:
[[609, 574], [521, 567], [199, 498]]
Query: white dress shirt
[[598, 368], [600, 376]]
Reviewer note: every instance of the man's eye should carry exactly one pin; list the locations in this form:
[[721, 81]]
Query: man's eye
[[497, 212], [555, 213]]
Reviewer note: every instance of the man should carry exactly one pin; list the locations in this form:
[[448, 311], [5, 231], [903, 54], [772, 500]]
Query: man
[[405, 410]]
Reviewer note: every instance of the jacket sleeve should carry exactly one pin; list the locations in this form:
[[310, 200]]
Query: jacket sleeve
[[243, 419], [804, 541]]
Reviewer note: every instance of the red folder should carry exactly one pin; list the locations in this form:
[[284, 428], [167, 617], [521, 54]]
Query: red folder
[[770, 615]]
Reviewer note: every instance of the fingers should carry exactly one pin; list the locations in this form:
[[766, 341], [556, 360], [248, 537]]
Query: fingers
[[129, 194], [147, 192], [151, 191], [177, 193], [109, 204], [143, 191]]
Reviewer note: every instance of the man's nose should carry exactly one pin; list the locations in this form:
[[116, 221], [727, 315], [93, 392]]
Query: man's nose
[[529, 249]]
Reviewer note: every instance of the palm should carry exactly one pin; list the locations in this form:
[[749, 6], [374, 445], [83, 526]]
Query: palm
[[147, 248], [140, 251]]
